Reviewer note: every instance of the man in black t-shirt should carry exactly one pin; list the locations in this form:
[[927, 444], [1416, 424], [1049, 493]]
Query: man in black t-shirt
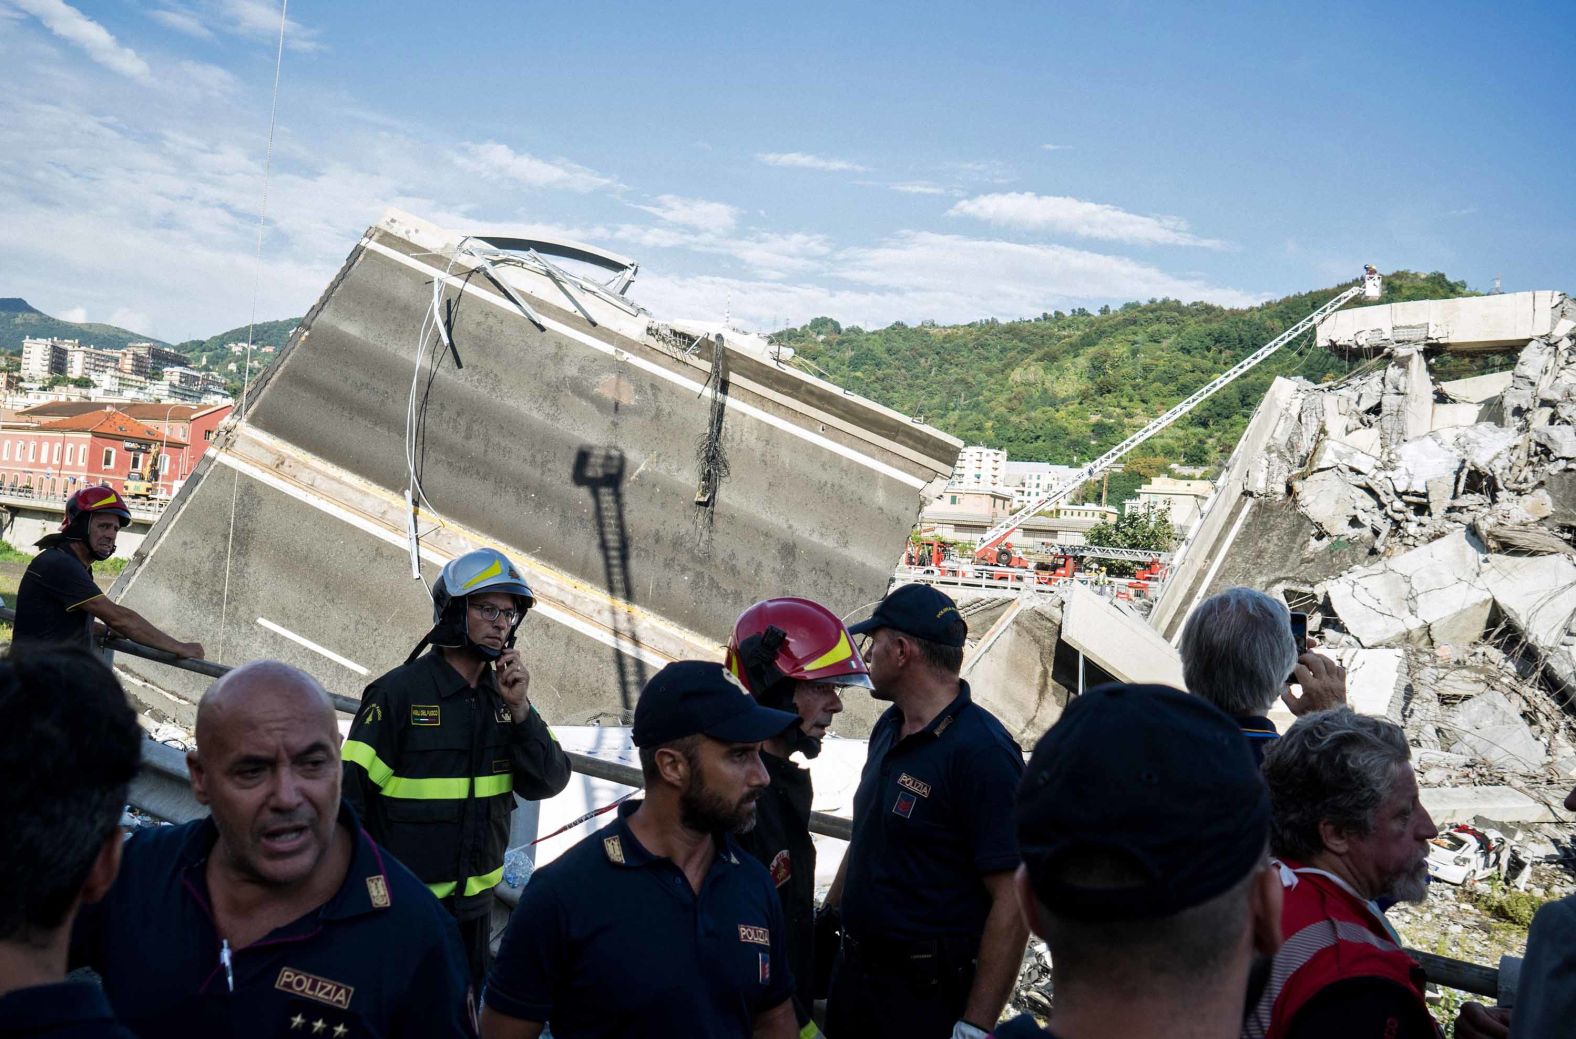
[[58, 599]]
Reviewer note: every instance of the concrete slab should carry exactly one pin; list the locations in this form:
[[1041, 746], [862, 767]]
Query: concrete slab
[[1478, 389], [1124, 646], [1450, 416], [1011, 676], [1430, 594], [1489, 727], [1421, 460], [1506, 804], [1473, 324], [1337, 506], [1374, 680]]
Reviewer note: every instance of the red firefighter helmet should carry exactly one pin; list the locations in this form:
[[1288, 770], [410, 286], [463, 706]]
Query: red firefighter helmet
[[780, 641], [90, 500]]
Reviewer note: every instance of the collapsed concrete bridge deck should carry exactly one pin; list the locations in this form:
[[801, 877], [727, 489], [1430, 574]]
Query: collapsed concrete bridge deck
[[652, 483]]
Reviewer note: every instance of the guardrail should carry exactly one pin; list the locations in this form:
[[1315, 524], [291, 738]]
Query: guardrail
[[163, 789]]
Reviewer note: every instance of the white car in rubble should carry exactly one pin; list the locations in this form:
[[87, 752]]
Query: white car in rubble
[[1462, 854]]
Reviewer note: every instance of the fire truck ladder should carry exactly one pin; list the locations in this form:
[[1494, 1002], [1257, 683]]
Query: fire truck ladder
[[1003, 530]]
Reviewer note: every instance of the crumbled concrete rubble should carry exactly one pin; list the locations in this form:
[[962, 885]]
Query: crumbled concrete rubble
[[1461, 623]]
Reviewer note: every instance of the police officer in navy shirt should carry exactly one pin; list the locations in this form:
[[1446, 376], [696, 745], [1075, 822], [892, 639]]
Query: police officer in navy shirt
[[277, 916], [932, 940], [1144, 827], [659, 924]]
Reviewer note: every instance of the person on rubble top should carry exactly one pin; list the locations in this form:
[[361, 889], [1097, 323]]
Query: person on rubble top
[[793, 655], [276, 915], [1348, 830], [68, 752], [659, 924], [1148, 877], [444, 742], [932, 939], [1238, 651], [58, 600]]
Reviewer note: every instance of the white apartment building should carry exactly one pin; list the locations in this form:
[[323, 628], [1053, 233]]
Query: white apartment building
[[1180, 500], [979, 466], [86, 362], [1029, 480], [42, 358]]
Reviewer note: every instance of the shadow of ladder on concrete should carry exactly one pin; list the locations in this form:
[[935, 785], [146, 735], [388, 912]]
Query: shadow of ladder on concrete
[[601, 471]]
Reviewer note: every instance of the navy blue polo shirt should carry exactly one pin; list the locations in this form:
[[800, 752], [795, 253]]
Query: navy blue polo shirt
[[1260, 732], [381, 958], [610, 940], [932, 813], [65, 1010]]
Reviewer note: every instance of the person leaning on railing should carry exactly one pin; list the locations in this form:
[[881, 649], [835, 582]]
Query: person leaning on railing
[[57, 601]]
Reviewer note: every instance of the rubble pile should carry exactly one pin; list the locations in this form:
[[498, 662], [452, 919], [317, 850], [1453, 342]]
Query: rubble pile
[[1461, 622]]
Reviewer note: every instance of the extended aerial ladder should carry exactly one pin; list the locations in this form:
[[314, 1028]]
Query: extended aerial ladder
[[1369, 287]]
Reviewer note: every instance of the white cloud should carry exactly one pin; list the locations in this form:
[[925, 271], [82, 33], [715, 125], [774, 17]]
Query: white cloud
[[133, 321], [259, 19], [210, 78], [919, 187], [96, 41], [76, 315], [712, 217], [804, 161], [916, 275], [182, 22], [986, 170], [500, 162], [1055, 147], [1061, 214]]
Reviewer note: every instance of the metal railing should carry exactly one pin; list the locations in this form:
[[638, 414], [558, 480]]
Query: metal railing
[[163, 789]]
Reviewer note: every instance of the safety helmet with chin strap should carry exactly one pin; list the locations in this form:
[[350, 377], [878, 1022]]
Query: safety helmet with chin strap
[[474, 573], [779, 642], [80, 509]]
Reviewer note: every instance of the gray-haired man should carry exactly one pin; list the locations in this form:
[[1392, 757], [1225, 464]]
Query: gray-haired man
[[1238, 651]]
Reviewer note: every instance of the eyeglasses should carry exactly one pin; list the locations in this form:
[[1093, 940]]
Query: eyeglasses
[[488, 612]]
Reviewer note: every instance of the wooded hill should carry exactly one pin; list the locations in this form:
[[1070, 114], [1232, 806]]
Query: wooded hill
[[1066, 387]]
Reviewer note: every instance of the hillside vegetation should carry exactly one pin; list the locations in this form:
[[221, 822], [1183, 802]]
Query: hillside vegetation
[[1066, 387], [19, 321]]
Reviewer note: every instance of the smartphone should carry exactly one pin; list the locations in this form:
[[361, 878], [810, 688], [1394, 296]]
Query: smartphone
[[1299, 635]]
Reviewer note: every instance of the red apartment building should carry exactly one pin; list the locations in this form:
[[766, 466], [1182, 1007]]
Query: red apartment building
[[51, 456]]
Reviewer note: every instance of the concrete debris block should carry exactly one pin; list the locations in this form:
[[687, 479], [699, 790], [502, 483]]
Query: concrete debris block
[[1561, 489], [1334, 453], [1013, 674], [1529, 375], [1451, 684], [1430, 594], [1407, 409], [1449, 416], [1538, 505], [1363, 438], [1484, 446], [1489, 727], [1375, 680], [1503, 803], [1537, 594], [1479, 389], [1421, 460], [1558, 441]]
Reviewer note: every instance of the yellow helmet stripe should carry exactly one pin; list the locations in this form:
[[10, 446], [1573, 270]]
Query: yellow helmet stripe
[[491, 571], [838, 653]]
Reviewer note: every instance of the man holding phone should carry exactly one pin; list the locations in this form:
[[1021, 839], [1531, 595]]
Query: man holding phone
[[1242, 649], [444, 742]]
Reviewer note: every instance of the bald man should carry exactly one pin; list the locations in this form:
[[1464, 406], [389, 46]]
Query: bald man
[[277, 915]]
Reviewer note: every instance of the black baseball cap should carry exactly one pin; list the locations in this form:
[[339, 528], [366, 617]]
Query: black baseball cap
[[921, 611], [1150, 777], [696, 696]]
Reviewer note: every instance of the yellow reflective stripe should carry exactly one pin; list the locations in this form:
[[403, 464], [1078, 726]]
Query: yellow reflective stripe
[[491, 571], [491, 786], [473, 886], [363, 755], [449, 788], [809, 1031], [841, 651]]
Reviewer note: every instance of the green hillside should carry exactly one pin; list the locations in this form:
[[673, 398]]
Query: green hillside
[[19, 321], [264, 333], [1065, 387]]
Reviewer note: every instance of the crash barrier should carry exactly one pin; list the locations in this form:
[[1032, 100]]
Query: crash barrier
[[162, 789]]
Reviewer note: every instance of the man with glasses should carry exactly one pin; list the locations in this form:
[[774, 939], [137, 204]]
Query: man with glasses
[[443, 743]]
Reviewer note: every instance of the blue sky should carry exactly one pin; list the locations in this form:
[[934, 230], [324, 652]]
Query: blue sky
[[874, 162]]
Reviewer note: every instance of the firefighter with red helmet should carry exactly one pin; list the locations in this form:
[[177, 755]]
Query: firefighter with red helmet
[[793, 655], [58, 599]]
